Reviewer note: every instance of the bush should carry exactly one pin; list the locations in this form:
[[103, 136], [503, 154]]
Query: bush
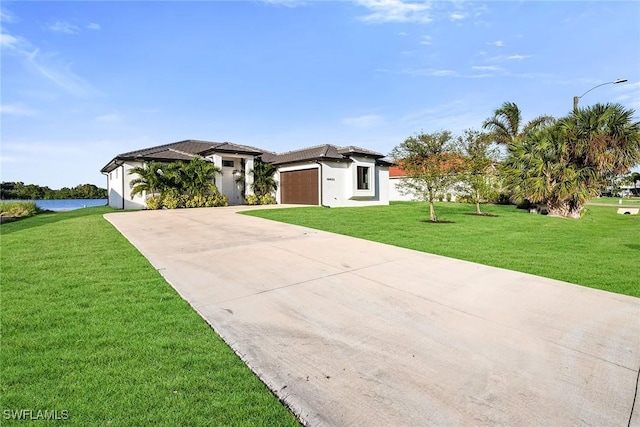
[[154, 202], [252, 199], [173, 200], [449, 197], [18, 209], [267, 199], [196, 201]]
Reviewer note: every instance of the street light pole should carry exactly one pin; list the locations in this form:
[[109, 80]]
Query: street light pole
[[577, 98]]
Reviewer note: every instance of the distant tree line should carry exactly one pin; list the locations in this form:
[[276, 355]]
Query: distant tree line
[[22, 191]]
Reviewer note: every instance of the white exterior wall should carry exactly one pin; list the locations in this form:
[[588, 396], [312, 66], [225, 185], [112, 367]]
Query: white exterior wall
[[394, 191], [396, 195], [119, 183], [225, 182], [337, 183]]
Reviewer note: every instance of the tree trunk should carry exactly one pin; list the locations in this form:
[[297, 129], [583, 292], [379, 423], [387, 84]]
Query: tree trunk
[[478, 204], [432, 212], [564, 210]]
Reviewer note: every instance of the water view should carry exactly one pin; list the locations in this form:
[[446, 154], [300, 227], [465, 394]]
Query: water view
[[68, 204]]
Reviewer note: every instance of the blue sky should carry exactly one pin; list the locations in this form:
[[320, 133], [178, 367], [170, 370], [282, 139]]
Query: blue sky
[[85, 81]]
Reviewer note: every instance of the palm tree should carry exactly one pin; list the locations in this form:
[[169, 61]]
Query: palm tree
[[263, 181], [150, 179], [506, 124], [566, 164], [199, 176]]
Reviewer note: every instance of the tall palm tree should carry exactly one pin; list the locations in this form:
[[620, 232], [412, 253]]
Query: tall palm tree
[[566, 164], [506, 125], [150, 179]]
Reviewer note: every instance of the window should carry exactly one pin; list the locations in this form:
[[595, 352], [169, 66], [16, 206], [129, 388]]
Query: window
[[227, 163], [363, 178], [116, 173]]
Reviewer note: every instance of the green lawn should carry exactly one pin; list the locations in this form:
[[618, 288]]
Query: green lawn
[[89, 327], [601, 250], [616, 200]]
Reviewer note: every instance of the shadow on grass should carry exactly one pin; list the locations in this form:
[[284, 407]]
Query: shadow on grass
[[488, 215], [633, 246], [47, 218], [440, 221]]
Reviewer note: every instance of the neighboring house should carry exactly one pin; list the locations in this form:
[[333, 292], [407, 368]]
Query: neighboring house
[[396, 176], [324, 175]]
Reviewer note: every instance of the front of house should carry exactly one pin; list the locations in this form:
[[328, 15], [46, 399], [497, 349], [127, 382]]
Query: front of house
[[323, 175]]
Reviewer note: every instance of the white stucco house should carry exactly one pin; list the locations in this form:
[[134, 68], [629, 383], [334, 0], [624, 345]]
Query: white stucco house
[[324, 175]]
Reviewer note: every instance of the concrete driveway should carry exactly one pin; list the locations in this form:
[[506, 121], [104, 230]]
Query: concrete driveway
[[351, 332]]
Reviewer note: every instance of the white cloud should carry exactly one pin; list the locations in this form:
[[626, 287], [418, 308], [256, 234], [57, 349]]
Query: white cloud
[[443, 73], [46, 65], [60, 74], [64, 27], [426, 40], [6, 16], [457, 16], [94, 26], [8, 41], [16, 110], [108, 118], [518, 57], [286, 3], [395, 11], [497, 43], [364, 121], [486, 68]]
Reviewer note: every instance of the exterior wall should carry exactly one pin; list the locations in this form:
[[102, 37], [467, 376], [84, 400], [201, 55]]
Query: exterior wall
[[338, 183], [119, 188], [226, 182], [394, 191], [396, 195]]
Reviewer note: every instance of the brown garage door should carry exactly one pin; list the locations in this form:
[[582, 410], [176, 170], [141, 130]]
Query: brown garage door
[[299, 187]]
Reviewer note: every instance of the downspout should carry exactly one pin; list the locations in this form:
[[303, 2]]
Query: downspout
[[321, 186], [106, 174], [123, 195]]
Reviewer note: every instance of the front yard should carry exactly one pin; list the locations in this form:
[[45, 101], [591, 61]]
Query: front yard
[[601, 250]]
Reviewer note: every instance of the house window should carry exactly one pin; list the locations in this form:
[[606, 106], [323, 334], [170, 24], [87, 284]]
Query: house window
[[116, 173], [227, 163], [363, 178]]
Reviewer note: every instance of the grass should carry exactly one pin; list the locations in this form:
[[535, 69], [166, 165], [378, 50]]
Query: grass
[[90, 328], [615, 200], [601, 250], [21, 209]]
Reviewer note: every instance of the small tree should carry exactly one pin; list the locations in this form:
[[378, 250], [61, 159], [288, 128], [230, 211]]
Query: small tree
[[150, 179], [480, 156], [431, 163], [263, 181]]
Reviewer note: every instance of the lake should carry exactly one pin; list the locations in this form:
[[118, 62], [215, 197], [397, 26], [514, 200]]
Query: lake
[[69, 204]]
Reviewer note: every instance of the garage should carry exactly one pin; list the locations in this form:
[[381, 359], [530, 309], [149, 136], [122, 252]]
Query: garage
[[299, 187]]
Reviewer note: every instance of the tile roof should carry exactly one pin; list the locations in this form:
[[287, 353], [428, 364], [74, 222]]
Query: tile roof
[[319, 152], [187, 149], [181, 150]]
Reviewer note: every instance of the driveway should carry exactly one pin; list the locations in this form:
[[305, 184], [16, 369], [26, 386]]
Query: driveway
[[351, 332]]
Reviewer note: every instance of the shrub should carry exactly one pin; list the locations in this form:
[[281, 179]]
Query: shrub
[[173, 200], [449, 197], [252, 199], [18, 209], [197, 201], [154, 202], [267, 199]]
